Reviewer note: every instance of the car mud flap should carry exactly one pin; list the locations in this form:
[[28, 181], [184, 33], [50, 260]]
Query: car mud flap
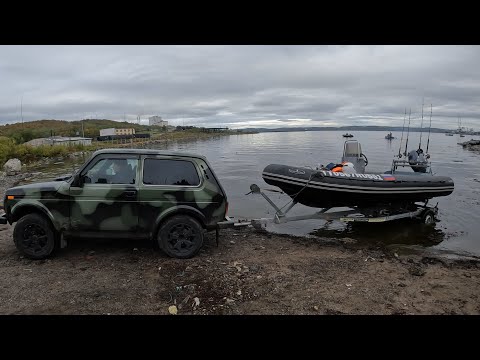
[[63, 241], [217, 235]]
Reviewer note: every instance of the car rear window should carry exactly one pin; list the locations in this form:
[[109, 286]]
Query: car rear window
[[170, 172]]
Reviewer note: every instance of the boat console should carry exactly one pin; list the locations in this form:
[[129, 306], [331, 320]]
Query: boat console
[[352, 152]]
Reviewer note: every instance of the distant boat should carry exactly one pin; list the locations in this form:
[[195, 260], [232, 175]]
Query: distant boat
[[347, 135], [449, 134], [389, 136]]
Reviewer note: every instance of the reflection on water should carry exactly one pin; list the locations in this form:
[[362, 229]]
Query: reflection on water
[[399, 232]]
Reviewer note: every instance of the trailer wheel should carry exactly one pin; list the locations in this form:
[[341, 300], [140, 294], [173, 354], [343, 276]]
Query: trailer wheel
[[428, 217]]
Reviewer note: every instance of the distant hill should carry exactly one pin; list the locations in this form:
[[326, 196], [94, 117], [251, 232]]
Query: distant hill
[[91, 128], [44, 128], [347, 128]]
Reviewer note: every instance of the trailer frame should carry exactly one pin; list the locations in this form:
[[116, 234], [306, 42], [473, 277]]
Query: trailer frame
[[371, 214]]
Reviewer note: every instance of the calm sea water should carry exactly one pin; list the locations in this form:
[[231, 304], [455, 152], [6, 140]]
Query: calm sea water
[[239, 160]]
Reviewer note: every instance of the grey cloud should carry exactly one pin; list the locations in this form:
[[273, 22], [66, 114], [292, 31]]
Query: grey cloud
[[218, 85]]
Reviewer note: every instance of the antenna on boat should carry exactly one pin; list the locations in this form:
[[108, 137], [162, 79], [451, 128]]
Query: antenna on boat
[[421, 127], [403, 127], [408, 132], [429, 128]]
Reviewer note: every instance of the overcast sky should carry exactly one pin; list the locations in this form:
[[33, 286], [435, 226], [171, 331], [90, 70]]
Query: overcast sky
[[242, 86]]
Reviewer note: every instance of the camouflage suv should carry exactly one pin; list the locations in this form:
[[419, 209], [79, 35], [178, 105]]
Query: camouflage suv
[[172, 198]]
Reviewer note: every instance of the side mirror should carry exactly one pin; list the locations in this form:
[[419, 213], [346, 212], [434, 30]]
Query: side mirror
[[77, 180]]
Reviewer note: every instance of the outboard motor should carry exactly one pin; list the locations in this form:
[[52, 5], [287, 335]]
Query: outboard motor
[[352, 152], [417, 161]]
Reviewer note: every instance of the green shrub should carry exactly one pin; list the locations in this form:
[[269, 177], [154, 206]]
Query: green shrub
[[7, 148]]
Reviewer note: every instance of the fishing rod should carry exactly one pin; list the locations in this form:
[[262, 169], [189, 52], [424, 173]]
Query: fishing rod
[[408, 132], [403, 127], [421, 128], [430, 127]]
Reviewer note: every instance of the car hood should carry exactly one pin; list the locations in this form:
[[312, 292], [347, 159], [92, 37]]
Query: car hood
[[43, 189], [63, 177]]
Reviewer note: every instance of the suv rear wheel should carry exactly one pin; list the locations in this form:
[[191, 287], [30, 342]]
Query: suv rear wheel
[[180, 237], [34, 237]]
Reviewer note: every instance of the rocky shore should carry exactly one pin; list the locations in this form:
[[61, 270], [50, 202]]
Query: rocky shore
[[473, 145], [8, 181], [249, 273]]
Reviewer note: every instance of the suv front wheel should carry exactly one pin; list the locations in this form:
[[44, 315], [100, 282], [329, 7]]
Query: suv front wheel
[[180, 237], [34, 237]]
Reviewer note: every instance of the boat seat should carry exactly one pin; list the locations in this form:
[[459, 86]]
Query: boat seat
[[352, 152], [352, 149]]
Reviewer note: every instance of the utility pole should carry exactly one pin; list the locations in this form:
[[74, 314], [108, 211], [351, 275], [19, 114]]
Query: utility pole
[[21, 109]]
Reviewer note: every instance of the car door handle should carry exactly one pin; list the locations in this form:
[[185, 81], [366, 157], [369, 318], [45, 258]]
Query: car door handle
[[130, 194]]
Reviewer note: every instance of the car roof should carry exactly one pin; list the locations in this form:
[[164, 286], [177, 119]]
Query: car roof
[[147, 152]]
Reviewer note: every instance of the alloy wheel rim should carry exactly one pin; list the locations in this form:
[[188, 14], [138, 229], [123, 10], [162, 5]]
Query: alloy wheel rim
[[35, 238], [181, 238]]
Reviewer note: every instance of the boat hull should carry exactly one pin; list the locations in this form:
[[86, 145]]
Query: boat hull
[[321, 188]]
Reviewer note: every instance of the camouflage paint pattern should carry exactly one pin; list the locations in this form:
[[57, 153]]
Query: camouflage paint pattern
[[121, 208]]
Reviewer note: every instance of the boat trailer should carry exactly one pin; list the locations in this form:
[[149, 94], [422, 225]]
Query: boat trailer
[[426, 214]]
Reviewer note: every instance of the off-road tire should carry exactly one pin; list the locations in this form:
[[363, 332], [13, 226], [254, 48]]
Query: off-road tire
[[180, 236], [34, 236]]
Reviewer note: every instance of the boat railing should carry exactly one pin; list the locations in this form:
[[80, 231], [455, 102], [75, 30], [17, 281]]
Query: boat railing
[[405, 163]]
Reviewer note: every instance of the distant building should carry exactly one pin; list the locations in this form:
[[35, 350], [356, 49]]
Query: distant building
[[214, 129], [60, 140], [107, 132], [129, 131], [113, 131], [157, 121]]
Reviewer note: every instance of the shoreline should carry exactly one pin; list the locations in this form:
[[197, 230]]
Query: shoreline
[[29, 167], [28, 173], [43, 153]]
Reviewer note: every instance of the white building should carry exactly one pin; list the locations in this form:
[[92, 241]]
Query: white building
[[60, 140], [113, 131], [157, 121], [107, 132]]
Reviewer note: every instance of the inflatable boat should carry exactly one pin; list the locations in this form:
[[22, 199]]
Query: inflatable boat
[[323, 188]]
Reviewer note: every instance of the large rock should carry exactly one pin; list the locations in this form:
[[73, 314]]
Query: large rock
[[13, 167]]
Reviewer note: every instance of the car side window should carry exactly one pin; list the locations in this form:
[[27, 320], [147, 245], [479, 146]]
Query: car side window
[[170, 172], [123, 171], [97, 172], [112, 171]]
